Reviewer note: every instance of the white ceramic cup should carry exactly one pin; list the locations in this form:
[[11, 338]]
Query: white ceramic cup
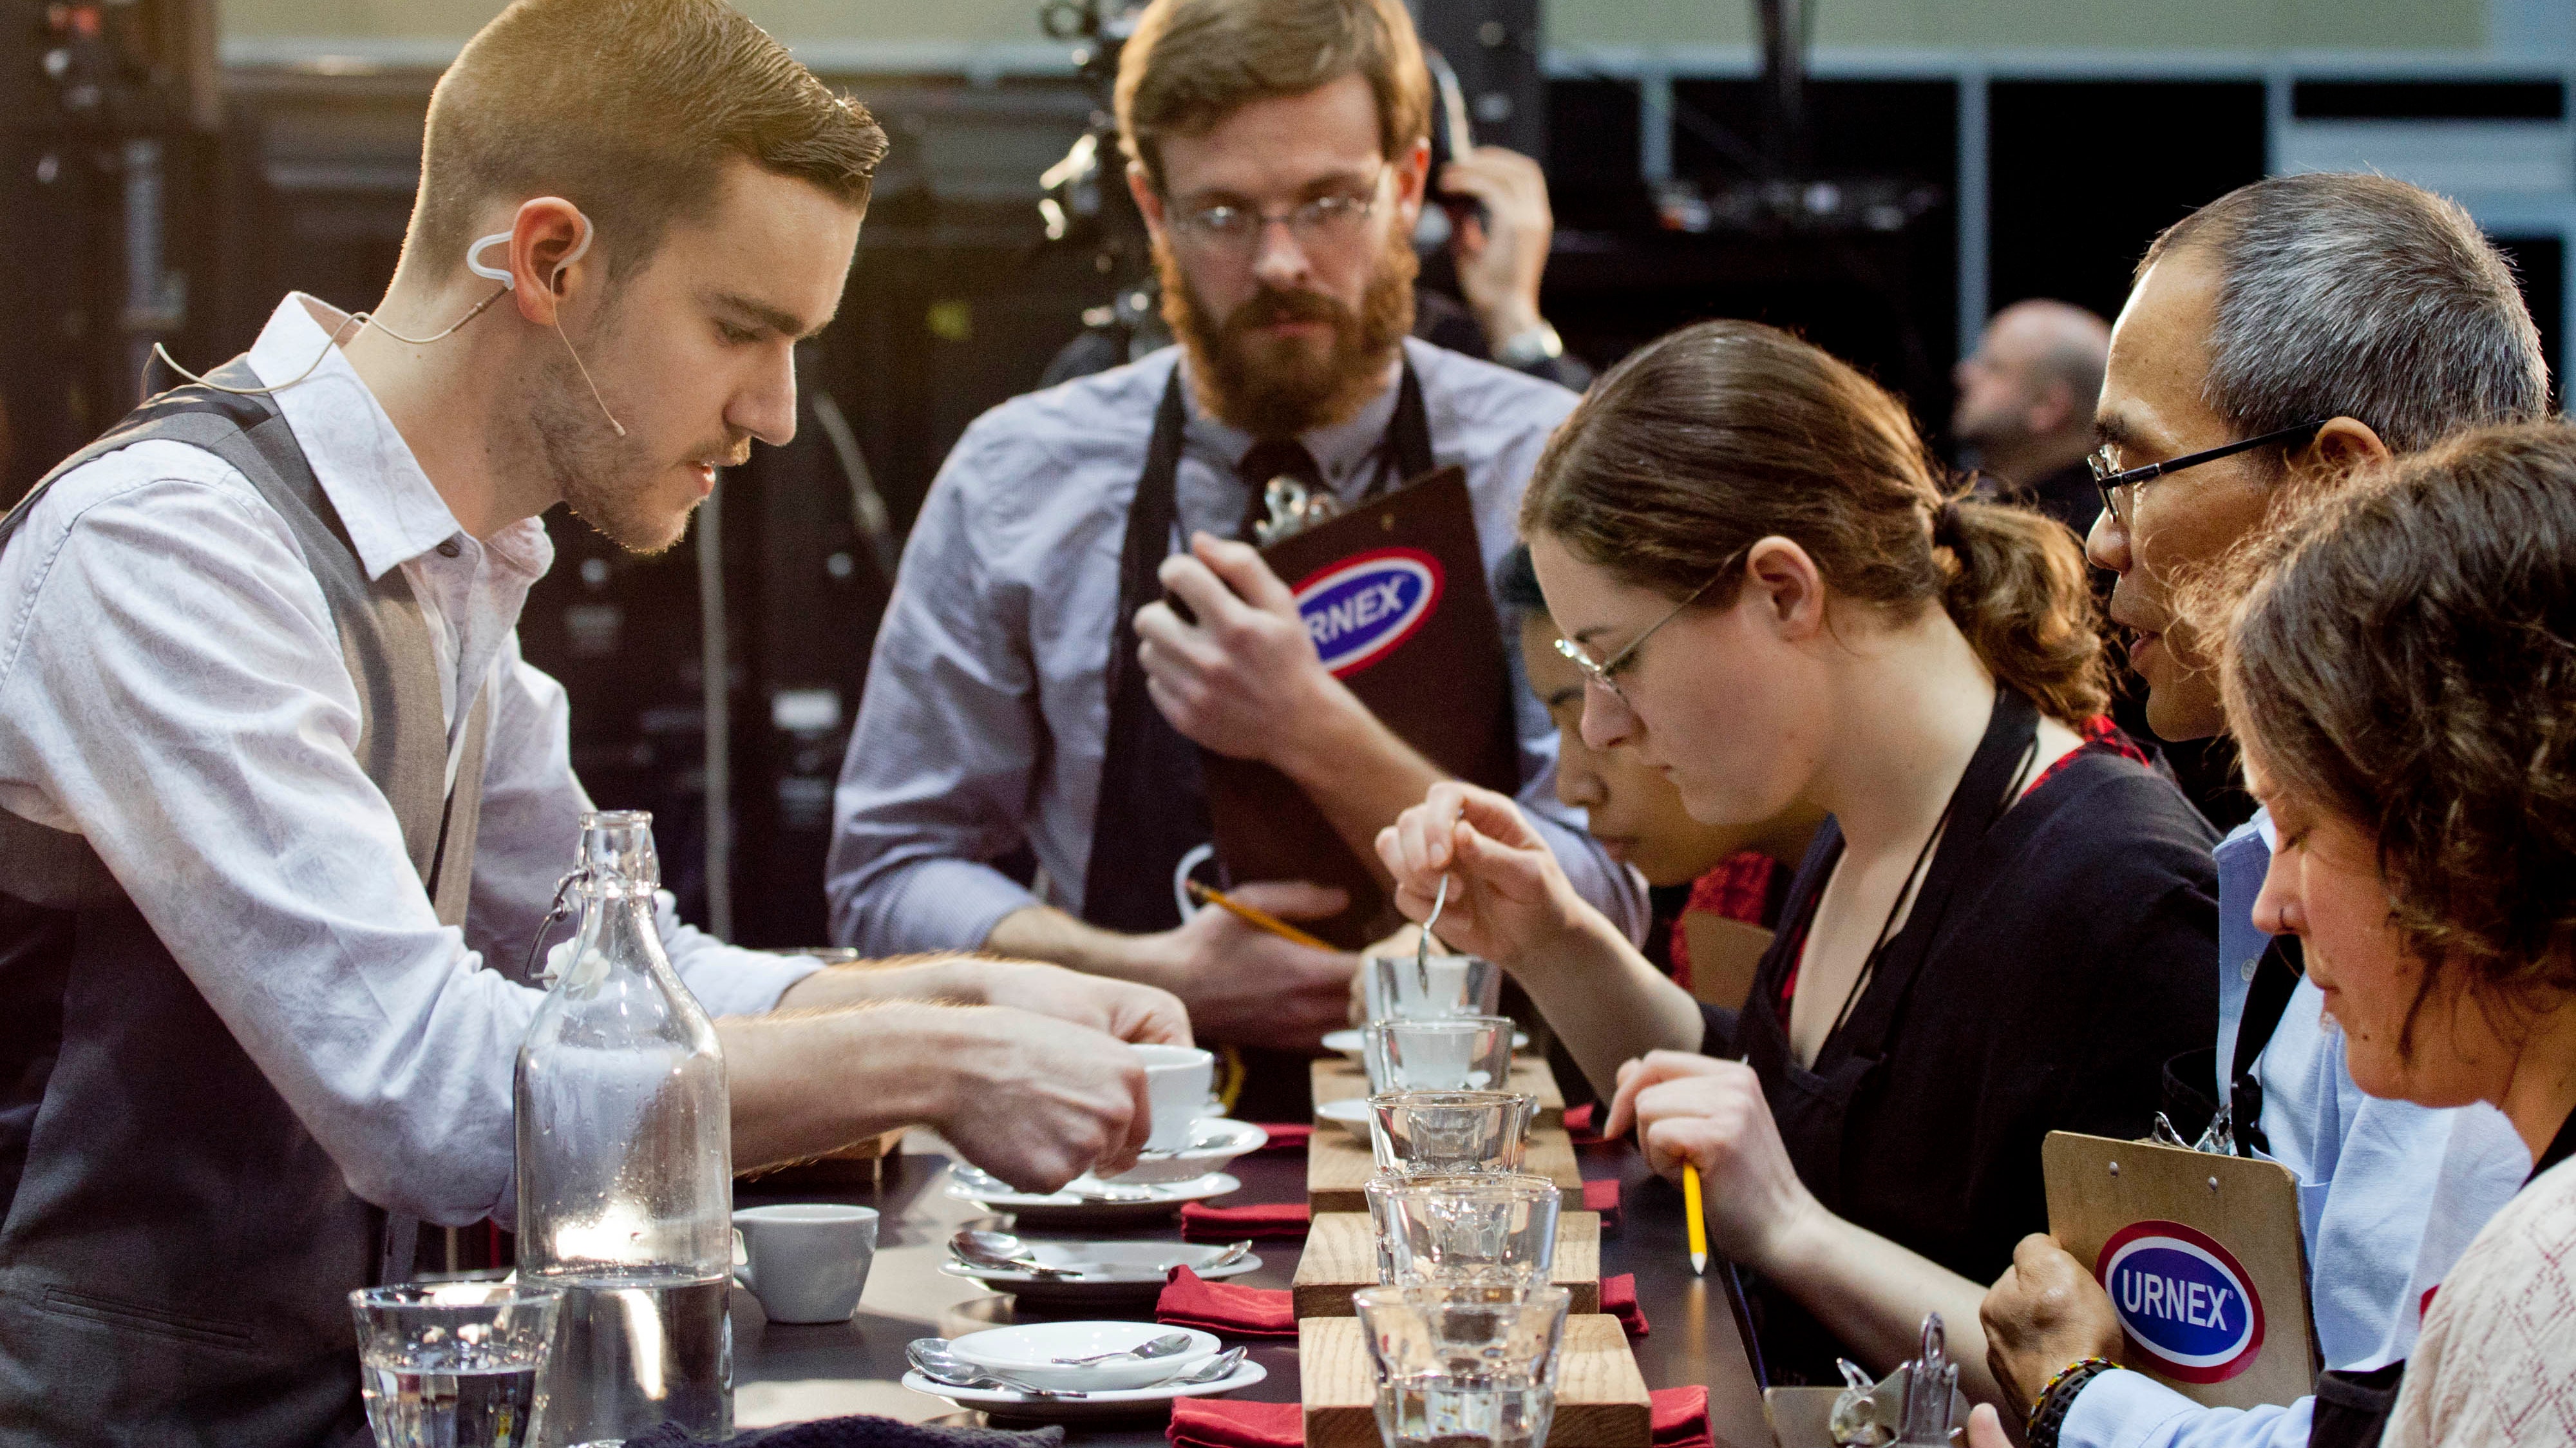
[[806, 1261], [1176, 1082]]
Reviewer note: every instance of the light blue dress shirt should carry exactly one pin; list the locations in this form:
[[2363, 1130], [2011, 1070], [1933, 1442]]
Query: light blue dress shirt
[[2390, 1193]]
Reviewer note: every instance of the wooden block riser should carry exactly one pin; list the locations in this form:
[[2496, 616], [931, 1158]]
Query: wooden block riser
[[1341, 1258]]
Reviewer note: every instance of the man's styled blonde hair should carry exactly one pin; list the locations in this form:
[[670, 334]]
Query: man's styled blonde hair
[[631, 110]]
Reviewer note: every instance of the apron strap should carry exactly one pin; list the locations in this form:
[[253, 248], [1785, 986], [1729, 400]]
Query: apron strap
[[1975, 805]]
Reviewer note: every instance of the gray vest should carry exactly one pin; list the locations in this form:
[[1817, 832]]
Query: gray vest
[[177, 1250]]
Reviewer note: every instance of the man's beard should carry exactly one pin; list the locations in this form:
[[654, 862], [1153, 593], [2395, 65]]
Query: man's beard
[[1279, 387], [608, 481]]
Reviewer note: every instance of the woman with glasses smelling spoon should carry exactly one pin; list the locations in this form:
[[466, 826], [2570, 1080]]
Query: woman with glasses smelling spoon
[[2004, 928]]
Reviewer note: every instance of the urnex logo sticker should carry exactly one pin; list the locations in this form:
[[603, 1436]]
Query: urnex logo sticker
[[2186, 1303], [1362, 607]]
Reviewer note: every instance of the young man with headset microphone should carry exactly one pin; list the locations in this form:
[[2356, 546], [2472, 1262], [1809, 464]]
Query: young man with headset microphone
[[281, 807]]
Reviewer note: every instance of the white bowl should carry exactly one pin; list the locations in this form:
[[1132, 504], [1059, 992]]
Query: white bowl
[[1122, 1403], [1157, 1167], [1029, 1352]]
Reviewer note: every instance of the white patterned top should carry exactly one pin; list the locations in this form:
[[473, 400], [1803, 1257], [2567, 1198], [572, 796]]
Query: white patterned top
[[2497, 1361]]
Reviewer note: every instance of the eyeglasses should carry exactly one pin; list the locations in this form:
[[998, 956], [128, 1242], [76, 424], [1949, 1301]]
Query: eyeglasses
[[1602, 673], [2119, 485], [1331, 220]]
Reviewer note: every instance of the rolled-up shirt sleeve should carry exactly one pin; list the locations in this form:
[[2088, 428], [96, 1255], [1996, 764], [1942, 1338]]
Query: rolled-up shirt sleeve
[[939, 769], [174, 692]]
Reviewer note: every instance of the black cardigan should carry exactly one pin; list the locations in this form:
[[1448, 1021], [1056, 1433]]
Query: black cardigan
[[2079, 952]]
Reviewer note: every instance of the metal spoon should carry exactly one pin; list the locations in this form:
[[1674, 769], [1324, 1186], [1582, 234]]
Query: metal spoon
[[1227, 1258], [931, 1357], [1422, 947], [1002, 1250], [1162, 1347], [1215, 1369]]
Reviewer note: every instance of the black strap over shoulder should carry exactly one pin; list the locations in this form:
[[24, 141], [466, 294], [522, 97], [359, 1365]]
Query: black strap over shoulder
[[2276, 975]]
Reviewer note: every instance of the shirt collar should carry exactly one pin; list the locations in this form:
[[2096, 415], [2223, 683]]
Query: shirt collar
[[391, 509], [1343, 450]]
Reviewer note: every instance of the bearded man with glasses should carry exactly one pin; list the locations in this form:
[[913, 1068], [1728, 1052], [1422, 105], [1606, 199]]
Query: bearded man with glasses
[[2275, 341], [1021, 696]]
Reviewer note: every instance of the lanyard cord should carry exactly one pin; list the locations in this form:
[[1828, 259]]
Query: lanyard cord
[[1913, 876]]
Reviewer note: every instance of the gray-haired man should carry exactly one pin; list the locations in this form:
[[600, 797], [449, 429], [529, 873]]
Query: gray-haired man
[[2273, 341]]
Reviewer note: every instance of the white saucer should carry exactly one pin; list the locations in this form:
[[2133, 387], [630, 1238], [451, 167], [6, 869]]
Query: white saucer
[[1355, 1046], [1110, 1269], [1130, 1205], [1002, 1403], [1159, 1167], [1350, 1113]]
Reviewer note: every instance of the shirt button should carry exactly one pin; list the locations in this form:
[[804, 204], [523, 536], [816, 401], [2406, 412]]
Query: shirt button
[[451, 548], [2245, 972]]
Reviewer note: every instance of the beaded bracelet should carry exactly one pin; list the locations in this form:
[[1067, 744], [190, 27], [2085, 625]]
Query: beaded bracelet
[[2058, 1398]]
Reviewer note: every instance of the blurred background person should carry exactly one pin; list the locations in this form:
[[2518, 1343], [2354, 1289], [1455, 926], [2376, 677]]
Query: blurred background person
[[2024, 418]]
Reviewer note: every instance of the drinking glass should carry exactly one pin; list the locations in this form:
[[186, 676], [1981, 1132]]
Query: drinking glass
[[1464, 1362], [1419, 1132], [1468, 1226], [1460, 1053], [454, 1364], [1405, 987]]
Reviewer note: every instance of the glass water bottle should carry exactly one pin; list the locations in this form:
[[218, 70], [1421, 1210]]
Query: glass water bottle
[[625, 1166]]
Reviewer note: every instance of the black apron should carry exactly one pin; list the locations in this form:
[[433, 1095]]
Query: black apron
[[1812, 1106], [1153, 804]]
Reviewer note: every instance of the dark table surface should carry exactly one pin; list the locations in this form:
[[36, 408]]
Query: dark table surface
[[788, 1373]]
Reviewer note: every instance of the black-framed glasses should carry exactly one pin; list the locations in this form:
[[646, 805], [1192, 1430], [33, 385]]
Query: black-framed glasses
[[1331, 220], [1605, 673], [2119, 485]]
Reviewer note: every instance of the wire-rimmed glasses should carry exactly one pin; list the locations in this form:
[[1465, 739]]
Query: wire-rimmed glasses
[[2119, 485], [1234, 230], [1606, 672]]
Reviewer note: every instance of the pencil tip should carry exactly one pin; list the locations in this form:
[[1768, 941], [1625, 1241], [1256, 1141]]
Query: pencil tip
[[1699, 1264]]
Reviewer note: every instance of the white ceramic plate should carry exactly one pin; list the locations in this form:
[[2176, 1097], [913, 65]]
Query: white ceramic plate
[[1029, 1351], [1231, 1138], [1124, 1204], [1002, 1403], [1351, 1113], [1110, 1269], [1355, 1046]]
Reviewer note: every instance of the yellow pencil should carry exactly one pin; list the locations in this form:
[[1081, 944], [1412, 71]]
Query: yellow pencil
[[1698, 1216], [1256, 918]]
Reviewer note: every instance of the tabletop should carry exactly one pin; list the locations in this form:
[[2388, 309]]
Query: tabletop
[[786, 1373]]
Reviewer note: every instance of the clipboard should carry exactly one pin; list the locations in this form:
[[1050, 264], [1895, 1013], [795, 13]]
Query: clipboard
[[1395, 596], [2203, 1257], [1724, 955]]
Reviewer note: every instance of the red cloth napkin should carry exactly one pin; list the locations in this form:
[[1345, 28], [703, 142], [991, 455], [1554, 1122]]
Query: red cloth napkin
[[1681, 1417], [1203, 1223], [1602, 1197], [1191, 1301], [1230, 1423], [1618, 1298], [1578, 1124], [1287, 1135]]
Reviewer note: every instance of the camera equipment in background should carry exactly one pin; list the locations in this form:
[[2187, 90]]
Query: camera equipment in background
[[108, 113]]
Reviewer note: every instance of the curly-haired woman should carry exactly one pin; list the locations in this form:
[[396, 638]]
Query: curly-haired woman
[[2402, 675]]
